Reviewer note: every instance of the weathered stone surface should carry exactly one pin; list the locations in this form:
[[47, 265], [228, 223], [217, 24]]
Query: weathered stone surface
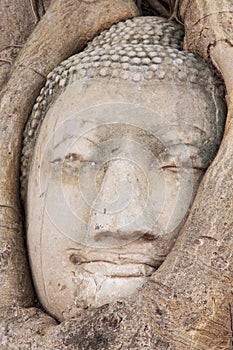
[[149, 31], [128, 132]]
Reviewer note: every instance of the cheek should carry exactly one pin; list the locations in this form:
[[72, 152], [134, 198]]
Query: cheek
[[57, 285], [51, 272], [179, 190]]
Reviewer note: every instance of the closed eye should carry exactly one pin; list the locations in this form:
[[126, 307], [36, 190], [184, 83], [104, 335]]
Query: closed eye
[[72, 157]]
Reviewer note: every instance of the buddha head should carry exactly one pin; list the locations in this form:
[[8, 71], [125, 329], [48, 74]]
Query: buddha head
[[117, 143]]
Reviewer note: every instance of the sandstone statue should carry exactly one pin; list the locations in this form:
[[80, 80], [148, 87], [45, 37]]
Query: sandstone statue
[[189, 297]]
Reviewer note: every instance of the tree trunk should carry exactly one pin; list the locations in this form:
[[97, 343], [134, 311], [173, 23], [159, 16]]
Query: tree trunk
[[187, 304], [17, 22]]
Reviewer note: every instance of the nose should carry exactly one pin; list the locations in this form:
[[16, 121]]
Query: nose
[[117, 213]]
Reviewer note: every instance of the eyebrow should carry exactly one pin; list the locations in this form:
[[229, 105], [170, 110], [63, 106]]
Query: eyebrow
[[63, 140]]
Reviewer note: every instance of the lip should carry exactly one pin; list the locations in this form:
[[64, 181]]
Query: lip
[[112, 269], [133, 254]]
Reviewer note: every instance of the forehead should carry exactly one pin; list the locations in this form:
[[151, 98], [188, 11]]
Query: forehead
[[168, 111]]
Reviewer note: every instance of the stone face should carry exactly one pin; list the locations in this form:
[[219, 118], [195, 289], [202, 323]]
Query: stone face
[[128, 130]]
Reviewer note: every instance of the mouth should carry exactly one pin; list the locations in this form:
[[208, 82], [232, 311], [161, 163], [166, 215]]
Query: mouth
[[112, 269]]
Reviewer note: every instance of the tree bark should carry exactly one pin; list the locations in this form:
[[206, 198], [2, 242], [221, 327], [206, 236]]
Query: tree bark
[[206, 23], [187, 304], [17, 22]]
